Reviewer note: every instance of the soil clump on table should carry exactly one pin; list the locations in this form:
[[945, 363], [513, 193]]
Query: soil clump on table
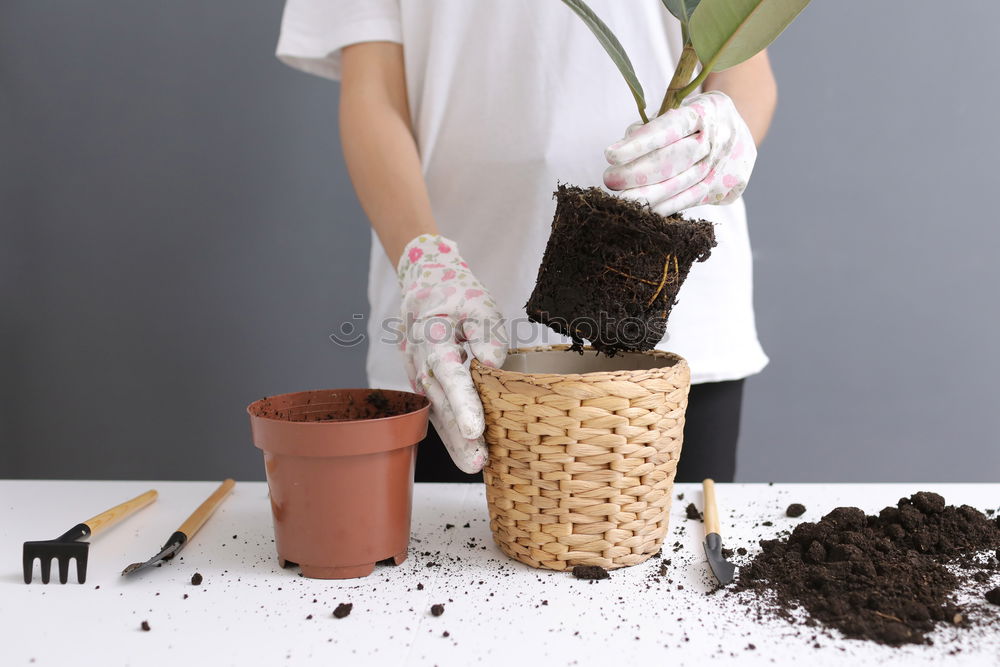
[[795, 510], [592, 572], [692, 512], [612, 269], [196, 579], [437, 609], [890, 578], [343, 609]]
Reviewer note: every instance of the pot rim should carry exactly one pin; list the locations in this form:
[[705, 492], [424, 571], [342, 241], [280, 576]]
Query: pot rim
[[677, 361], [403, 415]]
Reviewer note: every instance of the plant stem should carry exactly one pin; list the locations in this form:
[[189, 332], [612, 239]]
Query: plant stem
[[698, 80], [682, 75], [642, 111]]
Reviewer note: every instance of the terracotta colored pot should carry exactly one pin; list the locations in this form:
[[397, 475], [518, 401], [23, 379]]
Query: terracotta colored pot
[[339, 468]]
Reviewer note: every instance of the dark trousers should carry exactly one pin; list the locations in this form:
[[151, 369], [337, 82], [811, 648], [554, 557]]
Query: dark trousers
[[711, 429]]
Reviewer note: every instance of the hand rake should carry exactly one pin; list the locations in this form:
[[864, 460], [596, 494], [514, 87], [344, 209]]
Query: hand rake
[[67, 546]]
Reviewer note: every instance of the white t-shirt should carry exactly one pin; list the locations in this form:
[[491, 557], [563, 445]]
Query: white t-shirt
[[507, 98]]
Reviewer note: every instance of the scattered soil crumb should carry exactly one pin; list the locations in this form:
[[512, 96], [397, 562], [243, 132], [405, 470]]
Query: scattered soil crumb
[[343, 609], [993, 596], [437, 609], [692, 512], [145, 626], [590, 572], [420, 587], [795, 510], [196, 579]]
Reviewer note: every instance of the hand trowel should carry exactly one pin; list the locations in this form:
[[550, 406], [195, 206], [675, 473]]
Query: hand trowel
[[187, 530], [723, 570]]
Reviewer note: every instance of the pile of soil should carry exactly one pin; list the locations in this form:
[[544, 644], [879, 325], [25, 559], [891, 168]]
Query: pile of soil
[[882, 578], [612, 269]]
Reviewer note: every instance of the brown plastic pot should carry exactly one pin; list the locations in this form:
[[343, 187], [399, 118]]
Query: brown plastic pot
[[339, 466]]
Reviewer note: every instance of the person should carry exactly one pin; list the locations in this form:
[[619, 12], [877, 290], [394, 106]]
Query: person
[[457, 120]]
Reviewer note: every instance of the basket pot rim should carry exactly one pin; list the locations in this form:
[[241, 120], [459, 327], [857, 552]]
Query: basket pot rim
[[673, 361]]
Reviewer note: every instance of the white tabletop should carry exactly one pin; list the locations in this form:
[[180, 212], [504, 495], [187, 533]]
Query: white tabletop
[[248, 611]]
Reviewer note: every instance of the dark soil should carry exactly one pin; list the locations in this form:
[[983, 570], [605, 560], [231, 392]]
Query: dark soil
[[343, 609], [345, 405], [145, 626], [993, 596], [612, 269], [590, 572], [437, 609], [880, 577], [381, 404], [795, 510], [692, 513], [196, 579]]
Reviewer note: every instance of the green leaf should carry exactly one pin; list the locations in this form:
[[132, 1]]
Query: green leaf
[[681, 9], [727, 32], [614, 49]]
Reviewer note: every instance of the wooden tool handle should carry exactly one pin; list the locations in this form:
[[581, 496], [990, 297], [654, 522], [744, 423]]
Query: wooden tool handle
[[200, 515], [711, 509], [119, 512]]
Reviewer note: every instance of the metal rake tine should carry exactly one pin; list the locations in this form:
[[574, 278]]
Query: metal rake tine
[[81, 567], [29, 566], [63, 569], [46, 568]]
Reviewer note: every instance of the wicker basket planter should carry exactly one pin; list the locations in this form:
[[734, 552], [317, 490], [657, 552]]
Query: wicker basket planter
[[581, 464]]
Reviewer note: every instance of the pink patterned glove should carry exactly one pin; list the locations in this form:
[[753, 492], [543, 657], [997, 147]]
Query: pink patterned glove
[[700, 153], [444, 307]]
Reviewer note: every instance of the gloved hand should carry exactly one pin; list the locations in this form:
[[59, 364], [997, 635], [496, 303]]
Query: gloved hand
[[700, 153], [444, 307]]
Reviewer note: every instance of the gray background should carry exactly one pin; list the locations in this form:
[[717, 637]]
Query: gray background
[[172, 198]]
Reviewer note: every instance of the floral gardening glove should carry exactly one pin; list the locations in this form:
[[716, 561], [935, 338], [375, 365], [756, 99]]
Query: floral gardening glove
[[700, 153], [444, 307]]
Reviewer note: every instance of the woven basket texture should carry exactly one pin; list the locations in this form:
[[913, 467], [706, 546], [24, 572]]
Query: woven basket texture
[[581, 467]]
